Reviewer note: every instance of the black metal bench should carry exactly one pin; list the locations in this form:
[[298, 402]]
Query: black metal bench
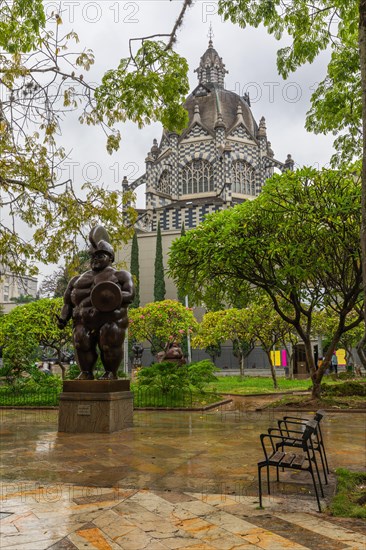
[[304, 461]]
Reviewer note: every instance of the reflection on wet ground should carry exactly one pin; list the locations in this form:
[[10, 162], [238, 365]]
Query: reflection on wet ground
[[215, 451]]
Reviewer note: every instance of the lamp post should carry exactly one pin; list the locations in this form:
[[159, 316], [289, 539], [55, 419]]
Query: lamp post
[[125, 353], [188, 338]]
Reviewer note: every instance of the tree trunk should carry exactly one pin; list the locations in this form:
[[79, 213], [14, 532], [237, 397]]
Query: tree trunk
[[362, 51], [350, 360], [361, 350], [62, 367], [63, 371], [273, 370], [316, 375], [291, 365], [242, 364], [316, 391]]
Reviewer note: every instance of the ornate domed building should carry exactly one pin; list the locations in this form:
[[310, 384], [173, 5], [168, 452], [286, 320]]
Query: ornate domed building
[[221, 159]]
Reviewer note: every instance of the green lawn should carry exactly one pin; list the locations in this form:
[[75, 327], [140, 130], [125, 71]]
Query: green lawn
[[350, 499], [251, 384]]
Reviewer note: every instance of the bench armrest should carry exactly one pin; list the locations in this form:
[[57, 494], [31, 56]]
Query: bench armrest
[[273, 437]]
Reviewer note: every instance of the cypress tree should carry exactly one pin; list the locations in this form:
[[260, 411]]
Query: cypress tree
[[135, 270], [159, 282], [181, 294], [182, 299]]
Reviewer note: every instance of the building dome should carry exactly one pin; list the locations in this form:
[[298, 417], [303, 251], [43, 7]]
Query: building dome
[[213, 100], [218, 101]]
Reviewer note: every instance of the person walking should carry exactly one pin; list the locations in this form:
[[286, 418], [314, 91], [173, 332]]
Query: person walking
[[334, 363]]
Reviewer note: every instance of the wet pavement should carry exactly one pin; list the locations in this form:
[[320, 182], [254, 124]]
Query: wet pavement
[[172, 480]]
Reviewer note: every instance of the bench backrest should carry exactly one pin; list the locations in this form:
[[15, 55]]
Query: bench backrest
[[310, 428], [319, 415]]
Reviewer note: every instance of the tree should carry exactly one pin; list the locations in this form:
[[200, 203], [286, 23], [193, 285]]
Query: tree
[[135, 270], [338, 105], [54, 285], [230, 324], [42, 79], [235, 327], [28, 329], [298, 242], [159, 282], [161, 323], [182, 295], [268, 328]]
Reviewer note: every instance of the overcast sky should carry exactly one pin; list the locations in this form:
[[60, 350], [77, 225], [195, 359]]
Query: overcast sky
[[250, 58]]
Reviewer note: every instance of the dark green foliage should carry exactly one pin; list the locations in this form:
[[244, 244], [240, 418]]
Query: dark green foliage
[[159, 282], [38, 378], [346, 388], [214, 351], [135, 270], [201, 373], [73, 371], [164, 376], [168, 376], [242, 347], [181, 293], [153, 397]]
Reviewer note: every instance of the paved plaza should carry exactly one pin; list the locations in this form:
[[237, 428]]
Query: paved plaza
[[173, 480]]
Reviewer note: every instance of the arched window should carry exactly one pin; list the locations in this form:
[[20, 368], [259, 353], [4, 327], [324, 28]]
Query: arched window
[[164, 183], [243, 178], [197, 177]]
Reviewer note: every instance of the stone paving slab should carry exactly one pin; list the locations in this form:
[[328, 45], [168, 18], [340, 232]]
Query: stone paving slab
[[169, 482], [84, 518]]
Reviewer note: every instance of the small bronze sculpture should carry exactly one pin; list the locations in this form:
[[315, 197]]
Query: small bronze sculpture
[[137, 350], [173, 354], [97, 301]]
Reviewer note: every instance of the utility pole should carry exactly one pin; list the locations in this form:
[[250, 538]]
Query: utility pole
[[188, 339]]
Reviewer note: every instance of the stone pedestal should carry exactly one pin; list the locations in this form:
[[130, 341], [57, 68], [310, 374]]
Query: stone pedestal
[[95, 406]]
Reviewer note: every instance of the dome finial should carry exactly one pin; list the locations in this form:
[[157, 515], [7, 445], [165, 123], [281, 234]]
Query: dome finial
[[210, 36]]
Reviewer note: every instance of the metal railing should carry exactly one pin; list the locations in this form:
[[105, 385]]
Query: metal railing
[[11, 396], [22, 397], [153, 397]]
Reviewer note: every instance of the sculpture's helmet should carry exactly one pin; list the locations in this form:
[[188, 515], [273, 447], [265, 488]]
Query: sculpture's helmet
[[99, 240]]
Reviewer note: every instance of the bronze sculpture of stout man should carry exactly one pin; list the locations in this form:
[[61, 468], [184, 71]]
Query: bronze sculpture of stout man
[[97, 301]]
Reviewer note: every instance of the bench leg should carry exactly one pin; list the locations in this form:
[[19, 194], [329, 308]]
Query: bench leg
[[315, 488], [325, 456], [318, 474], [268, 481], [323, 464], [323, 448], [260, 486]]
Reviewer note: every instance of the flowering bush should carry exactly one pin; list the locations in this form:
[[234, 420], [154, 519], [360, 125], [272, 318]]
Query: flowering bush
[[161, 323]]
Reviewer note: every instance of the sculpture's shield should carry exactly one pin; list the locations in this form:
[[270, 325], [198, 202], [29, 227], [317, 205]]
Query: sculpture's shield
[[106, 296]]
